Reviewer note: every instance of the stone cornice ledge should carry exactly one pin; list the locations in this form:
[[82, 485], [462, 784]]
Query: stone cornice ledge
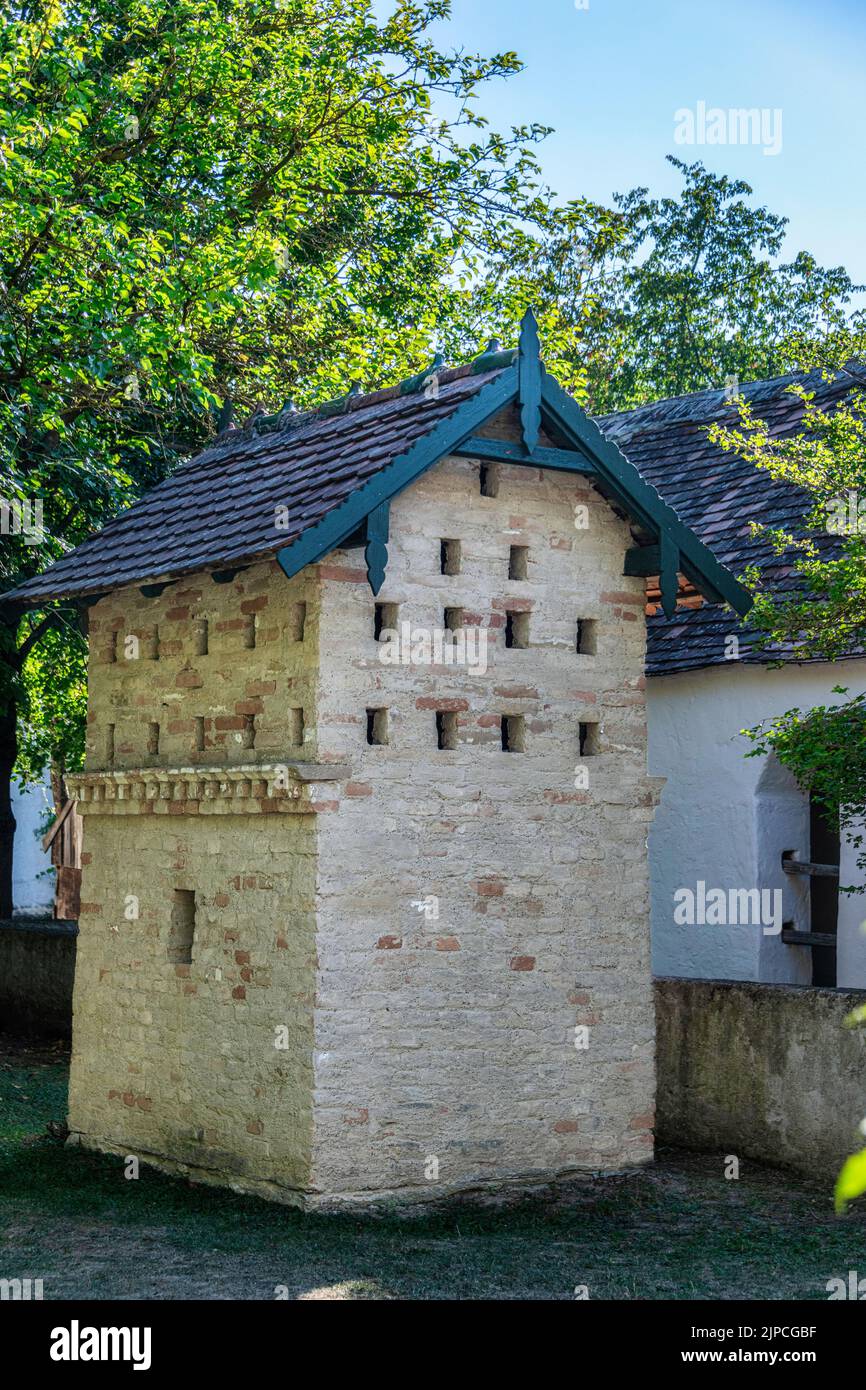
[[251, 789]]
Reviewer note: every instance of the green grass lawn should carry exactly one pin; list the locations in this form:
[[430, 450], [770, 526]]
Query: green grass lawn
[[678, 1230]]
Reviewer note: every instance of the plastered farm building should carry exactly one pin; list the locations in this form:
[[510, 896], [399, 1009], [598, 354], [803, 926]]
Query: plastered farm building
[[365, 894]]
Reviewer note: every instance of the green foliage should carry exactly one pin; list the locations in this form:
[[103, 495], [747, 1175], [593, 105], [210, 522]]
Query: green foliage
[[204, 200], [823, 616], [657, 297], [851, 1182], [53, 706], [825, 749]]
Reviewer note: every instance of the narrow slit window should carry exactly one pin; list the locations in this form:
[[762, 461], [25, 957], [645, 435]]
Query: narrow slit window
[[453, 619], [250, 631], [513, 733], [446, 729], [384, 620], [588, 739], [248, 733], [109, 746], [377, 726], [449, 557], [153, 739], [296, 726], [518, 558], [182, 929], [586, 637], [489, 480], [199, 733], [298, 622], [201, 637], [517, 629]]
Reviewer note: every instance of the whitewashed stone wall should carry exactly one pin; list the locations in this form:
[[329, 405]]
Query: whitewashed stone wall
[[727, 820], [447, 1047]]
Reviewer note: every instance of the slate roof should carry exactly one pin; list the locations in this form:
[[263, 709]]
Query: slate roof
[[219, 509], [717, 494]]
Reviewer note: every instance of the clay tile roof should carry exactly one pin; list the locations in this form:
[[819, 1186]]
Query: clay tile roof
[[220, 508], [717, 495]]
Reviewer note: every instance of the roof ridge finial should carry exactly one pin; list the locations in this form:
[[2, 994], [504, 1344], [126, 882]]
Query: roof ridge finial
[[529, 371]]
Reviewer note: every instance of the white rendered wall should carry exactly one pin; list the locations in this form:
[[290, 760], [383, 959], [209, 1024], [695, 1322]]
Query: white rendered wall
[[31, 895], [727, 819]]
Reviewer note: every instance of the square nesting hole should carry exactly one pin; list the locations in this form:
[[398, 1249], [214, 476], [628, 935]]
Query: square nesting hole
[[518, 562], [449, 557], [385, 617], [488, 479], [586, 637], [588, 737], [516, 629], [446, 729], [377, 727], [513, 733]]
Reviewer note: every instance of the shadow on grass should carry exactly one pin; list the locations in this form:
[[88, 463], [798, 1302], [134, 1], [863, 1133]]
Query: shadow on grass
[[678, 1230]]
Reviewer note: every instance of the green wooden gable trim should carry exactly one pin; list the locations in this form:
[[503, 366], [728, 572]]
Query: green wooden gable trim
[[363, 517], [529, 371], [679, 547], [500, 451], [335, 528], [376, 549]]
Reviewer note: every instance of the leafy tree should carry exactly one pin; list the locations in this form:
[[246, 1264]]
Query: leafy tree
[[824, 615], [657, 297], [202, 202]]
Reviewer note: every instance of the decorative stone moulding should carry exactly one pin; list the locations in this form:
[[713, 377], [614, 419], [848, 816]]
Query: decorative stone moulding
[[263, 788]]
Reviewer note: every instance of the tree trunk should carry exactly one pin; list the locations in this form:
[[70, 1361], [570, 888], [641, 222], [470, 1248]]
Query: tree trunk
[[8, 754]]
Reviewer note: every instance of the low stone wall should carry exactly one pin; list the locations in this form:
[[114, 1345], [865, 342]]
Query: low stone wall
[[762, 1071], [37, 966]]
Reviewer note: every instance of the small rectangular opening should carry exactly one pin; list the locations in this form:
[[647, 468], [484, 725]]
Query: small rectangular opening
[[586, 636], [296, 726], [377, 726], [446, 729], [453, 619], [182, 929], [248, 733], [385, 617], [199, 733], [513, 733], [517, 629], [109, 746], [449, 557], [250, 627], [588, 739], [153, 739], [297, 622], [489, 480], [518, 558], [200, 637]]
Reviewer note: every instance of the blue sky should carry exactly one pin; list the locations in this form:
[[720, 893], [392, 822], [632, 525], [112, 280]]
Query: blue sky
[[610, 78]]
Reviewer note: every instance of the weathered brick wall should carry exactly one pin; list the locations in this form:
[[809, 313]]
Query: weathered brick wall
[[179, 1061], [454, 1040], [147, 671]]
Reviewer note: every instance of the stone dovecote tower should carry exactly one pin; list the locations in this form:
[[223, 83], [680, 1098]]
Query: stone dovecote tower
[[364, 900]]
